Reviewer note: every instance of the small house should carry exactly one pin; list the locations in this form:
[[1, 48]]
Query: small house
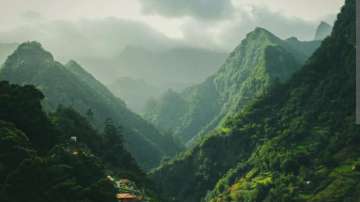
[[126, 197], [73, 139]]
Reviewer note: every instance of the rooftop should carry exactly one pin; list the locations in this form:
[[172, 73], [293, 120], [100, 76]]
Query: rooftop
[[125, 196]]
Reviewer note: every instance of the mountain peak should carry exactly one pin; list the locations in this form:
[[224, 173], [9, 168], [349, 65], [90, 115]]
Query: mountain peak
[[323, 23], [262, 34], [30, 52], [323, 30], [73, 65], [292, 39], [33, 46], [29, 55], [259, 38], [261, 29]]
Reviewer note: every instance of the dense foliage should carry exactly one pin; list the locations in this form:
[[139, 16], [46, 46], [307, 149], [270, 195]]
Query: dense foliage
[[39, 160], [258, 63], [71, 85], [299, 142]]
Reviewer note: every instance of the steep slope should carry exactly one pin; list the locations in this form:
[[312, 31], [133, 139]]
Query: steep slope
[[39, 159], [73, 86], [323, 31], [88, 79], [260, 61], [135, 92], [5, 50], [299, 142]]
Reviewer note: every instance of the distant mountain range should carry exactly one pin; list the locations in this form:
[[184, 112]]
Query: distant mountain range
[[182, 65], [175, 68], [140, 73], [135, 92]]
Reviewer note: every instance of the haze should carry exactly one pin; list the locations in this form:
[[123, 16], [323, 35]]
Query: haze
[[114, 39]]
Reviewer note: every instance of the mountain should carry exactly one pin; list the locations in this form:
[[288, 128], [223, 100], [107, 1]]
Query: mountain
[[5, 50], [259, 62], [40, 157], [176, 67], [135, 92], [298, 142], [323, 31], [71, 85], [169, 68]]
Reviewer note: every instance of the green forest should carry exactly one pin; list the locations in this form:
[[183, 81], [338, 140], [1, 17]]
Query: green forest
[[276, 122]]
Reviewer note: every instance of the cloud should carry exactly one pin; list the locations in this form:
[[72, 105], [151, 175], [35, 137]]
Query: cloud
[[228, 34], [283, 26], [107, 37], [31, 15], [200, 9], [101, 38], [93, 43]]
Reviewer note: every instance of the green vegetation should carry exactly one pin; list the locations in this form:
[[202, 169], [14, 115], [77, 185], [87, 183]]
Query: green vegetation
[[72, 86], [276, 123], [40, 160], [297, 142], [259, 62]]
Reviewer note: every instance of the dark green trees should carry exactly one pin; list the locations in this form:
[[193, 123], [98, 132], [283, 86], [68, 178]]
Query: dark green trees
[[40, 161], [21, 106], [36, 163], [12, 141]]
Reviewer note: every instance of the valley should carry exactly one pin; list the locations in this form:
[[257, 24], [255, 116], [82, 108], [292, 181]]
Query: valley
[[272, 120]]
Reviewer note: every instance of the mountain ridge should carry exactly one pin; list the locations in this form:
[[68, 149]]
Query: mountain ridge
[[299, 142], [260, 60], [31, 64]]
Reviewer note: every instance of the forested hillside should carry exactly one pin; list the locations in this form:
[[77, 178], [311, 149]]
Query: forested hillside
[[179, 101], [259, 62], [299, 142], [41, 161], [71, 85]]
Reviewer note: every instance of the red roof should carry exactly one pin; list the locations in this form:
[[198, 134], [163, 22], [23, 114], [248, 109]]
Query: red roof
[[125, 196]]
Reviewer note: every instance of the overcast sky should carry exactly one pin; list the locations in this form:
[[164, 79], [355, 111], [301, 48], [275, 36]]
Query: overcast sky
[[113, 24]]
